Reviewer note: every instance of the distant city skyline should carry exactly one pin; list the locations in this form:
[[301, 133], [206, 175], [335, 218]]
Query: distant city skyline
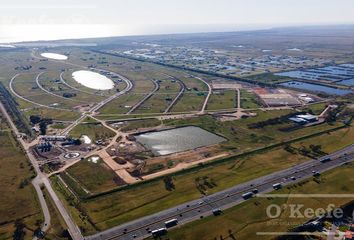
[[22, 20]]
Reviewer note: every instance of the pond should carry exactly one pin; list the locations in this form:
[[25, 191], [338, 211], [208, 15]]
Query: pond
[[93, 80], [55, 56], [178, 140], [315, 88]]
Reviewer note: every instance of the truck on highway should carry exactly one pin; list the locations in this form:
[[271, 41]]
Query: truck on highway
[[159, 232], [247, 195], [277, 186], [171, 223], [325, 160]]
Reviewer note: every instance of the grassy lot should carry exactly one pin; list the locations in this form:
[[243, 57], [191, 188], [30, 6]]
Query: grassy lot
[[316, 108], [19, 200], [93, 131], [222, 100], [330, 142], [119, 207], [190, 101], [122, 104], [161, 99], [136, 124], [73, 206], [53, 114], [241, 223], [95, 177], [249, 100]]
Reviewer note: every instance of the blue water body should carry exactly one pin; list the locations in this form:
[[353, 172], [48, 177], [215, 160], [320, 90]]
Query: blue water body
[[349, 82], [330, 73], [316, 88]]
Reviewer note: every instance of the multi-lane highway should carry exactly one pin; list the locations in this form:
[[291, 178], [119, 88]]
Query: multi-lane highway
[[194, 210]]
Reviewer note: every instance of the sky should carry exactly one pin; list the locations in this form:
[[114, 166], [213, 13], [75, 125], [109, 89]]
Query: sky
[[23, 20]]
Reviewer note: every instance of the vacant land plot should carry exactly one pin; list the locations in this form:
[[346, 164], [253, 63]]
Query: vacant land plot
[[53, 114], [94, 176], [249, 99], [20, 200], [222, 99], [241, 223], [92, 130], [136, 124], [330, 142], [190, 102], [122, 104]]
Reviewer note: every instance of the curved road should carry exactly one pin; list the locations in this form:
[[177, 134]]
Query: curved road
[[30, 101], [36, 181], [208, 96], [72, 87], [40, 180], [179, 95], [149, 95], [49, 92]]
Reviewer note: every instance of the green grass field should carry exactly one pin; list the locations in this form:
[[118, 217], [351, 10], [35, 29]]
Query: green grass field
[[93, 131], [95, 177], [249, 100], [136, 124], [222, 100], [19, 200]]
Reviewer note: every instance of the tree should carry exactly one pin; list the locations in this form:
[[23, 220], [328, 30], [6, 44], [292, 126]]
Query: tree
[[19, 233], [34, 119], [169, 185]]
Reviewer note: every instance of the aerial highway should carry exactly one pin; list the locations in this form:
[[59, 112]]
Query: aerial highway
[[193, 210]]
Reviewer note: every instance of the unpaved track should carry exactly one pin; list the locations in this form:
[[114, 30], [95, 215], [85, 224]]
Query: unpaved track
[[147, 97], [208, 96], [179, 95]]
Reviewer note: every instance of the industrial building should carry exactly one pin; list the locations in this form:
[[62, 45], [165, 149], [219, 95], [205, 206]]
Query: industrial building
[[304, 118]]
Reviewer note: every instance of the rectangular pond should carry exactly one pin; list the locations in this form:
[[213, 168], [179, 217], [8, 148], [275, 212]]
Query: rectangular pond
[[316, 88], [178, 140]]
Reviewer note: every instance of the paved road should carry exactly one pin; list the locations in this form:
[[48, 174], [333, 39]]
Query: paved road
[[179, 95], [100, 104], [208, 96], [38, 181], [149, 95], [30, 101], [72, 87], [193, 210], [49, 92]]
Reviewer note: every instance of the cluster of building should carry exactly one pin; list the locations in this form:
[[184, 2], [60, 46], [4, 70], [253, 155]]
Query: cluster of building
[[231, 62]]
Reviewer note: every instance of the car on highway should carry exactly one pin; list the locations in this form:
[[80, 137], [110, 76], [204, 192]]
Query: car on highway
[[217, 211]]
